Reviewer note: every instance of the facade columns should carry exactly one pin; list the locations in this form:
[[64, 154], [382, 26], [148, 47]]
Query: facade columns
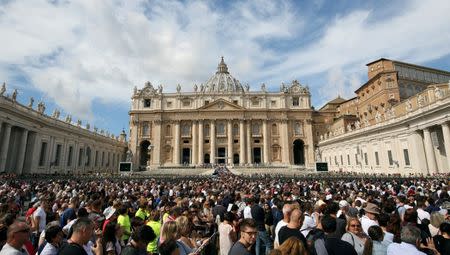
[[4, 147], [418, 158], [200, 142], [265, 143], [285, 142], [446, 134], [156, 150], [249, 142], [194, 143], [176, 148], [230, 142], [242, 157], [212, 141], [22, 150], [429, 151]]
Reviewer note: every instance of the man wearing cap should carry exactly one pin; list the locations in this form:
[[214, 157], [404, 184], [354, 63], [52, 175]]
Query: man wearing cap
[[18, 233], [370, 217]]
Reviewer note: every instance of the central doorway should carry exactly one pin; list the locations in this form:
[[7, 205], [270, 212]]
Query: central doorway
[[299, 152], [257, 155], [221, 155], [186, 156], [145, 155]]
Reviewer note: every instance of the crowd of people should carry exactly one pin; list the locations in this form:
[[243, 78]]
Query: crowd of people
[[224, 214]]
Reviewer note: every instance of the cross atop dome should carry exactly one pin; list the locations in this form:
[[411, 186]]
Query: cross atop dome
[[222, 67]]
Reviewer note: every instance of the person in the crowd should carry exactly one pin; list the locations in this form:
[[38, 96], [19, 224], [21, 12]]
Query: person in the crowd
[[262, 239], [436, 219], [82, 232], [309, 222], [355, 236], [153, 222], [332, 245], [383, 220], [112, 239], [139, 240], [39, 222], [268, 218], [169, 247], [69, 213], [410, 237], [332, 209], [184, 230], [248, 233], [287, 209], [227, 233], [421, 213], [18, 233], [375, 244], [293, 228], [293, 246], [370, 217], [53, 240], [442, 241], [124, 221]]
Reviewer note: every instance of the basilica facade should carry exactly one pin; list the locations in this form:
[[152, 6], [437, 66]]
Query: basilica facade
[[221, 122]]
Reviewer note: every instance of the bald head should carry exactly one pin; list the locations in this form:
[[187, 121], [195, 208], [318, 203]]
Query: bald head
[[296, 219], [17, 227]]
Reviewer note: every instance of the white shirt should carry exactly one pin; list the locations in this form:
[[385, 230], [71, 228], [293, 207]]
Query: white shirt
[[42, 218], [280, 224], [366, 223], [403, 248], [308, 224], [49, 249], [9, 250], [422, 214], [247, 212]]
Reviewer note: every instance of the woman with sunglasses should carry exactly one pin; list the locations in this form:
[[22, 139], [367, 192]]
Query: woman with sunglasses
[[355, 235]]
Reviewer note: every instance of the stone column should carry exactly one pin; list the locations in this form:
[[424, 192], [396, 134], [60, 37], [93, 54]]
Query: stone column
[[5, 147], [265, 143], [212, 141], [22, 150], [284, 135], [230, 142], [241, 143], [200, 142], [446, 134], [194, 143], [249, 142], [429, 151], [157, 148], [176, 147]]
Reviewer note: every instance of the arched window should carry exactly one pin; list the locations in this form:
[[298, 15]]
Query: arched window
[[145, 128], [168, 130], [274, 129], [221, 129], [235, 130], [298, 128], [255, 129], [186, 130], [206, 130]]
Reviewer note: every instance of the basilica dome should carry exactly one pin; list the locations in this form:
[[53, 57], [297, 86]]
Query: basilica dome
[[222, 81]]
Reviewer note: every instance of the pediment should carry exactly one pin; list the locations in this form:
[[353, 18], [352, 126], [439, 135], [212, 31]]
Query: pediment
[[221, 105]]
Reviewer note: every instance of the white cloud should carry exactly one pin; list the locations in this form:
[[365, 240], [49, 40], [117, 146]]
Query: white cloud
[[84, 50]]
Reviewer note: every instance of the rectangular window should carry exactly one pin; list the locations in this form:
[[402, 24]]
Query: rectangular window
[[273, 103], [235, 102], [356, 159], [348, 159], [147, 103], [186, 103], [80, 157], [365, 158], [295, 101], [207, 141], [43, 154], [58, 154], [406, 155], [391, 160], [206, 102], [377, 160], [69, 158], [335, 160], [342, 160], [255, 102], [169, 104]]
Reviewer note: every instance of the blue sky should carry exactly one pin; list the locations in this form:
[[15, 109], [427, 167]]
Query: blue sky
[[84, 57]]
